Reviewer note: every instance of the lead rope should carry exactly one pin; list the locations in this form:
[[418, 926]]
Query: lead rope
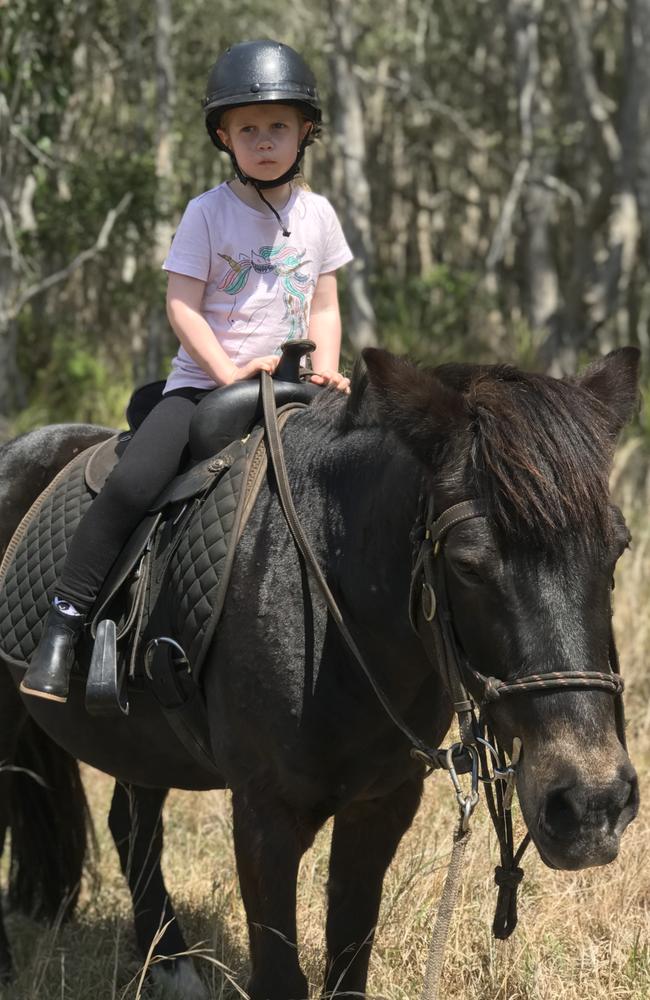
[[508, 875], [446, 907]]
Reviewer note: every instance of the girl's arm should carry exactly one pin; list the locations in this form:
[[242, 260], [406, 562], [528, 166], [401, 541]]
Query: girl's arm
[[325, 331], [184, 300]]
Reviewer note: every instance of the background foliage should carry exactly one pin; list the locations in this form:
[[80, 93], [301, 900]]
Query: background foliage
[[489, 162]]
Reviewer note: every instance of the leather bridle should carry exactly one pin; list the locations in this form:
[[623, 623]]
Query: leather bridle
[[432, 620], [428, 577], [478, 752]]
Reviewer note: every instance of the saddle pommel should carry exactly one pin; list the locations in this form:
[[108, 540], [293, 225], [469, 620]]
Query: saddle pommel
[[288, 369], [229, 413]]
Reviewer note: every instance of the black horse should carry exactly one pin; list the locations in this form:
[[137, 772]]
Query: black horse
[[296, 729]]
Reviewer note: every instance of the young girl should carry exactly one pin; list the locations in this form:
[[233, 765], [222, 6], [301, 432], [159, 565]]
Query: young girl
[[252, 264]]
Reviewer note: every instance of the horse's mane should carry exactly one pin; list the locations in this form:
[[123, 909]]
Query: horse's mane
[[541, 450], [539, 447]]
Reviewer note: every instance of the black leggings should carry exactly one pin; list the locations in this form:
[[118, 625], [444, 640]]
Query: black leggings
[[150, 461]]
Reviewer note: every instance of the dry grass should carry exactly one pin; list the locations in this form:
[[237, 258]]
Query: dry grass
[[580, 935]]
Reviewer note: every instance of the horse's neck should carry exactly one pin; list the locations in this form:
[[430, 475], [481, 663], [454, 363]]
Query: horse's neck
[[358, 496], [373, 496]]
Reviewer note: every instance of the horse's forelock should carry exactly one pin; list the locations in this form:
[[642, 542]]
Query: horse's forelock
[[541, 451], [540, 448]]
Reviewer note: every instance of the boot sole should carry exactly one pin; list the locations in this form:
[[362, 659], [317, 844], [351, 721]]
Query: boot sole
[[43, 694]]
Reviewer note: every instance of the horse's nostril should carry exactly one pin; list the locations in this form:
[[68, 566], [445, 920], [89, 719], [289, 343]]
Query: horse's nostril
[[562, 811], [584, 806], [632, 801]]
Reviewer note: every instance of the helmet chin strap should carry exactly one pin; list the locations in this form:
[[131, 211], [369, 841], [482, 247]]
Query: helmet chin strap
[[285, 231], [261, 185]]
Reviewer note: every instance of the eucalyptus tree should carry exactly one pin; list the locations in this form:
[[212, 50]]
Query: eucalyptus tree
[[489, 162]]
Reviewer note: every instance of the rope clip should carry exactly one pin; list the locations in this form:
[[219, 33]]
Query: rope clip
[[466, 803]]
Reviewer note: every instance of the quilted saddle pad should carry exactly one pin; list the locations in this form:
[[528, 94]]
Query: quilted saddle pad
[[34, 556], [196, 558], [195, 576]]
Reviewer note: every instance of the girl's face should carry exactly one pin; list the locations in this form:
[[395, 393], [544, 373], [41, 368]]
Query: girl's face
[[265, 138]]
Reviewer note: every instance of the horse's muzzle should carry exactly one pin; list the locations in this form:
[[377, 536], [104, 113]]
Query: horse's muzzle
[[580, 824]]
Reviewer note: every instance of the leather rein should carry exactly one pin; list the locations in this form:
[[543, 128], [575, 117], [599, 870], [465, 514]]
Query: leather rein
[[478, 753]]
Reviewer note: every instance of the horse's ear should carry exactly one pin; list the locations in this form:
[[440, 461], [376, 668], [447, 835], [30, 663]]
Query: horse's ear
[[614, 380], [421, 410]]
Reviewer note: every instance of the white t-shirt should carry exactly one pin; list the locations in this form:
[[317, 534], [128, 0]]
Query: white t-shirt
[[259, 283]]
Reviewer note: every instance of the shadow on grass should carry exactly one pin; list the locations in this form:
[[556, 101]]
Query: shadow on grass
[[97, 957]]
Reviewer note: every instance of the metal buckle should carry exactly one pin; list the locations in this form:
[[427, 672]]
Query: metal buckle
[[507, 773]]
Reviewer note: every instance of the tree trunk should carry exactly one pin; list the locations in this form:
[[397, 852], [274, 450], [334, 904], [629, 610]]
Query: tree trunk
[[8, 370], [615, 256], [157, 327], [10, 258], [638, 12], [350, 137]]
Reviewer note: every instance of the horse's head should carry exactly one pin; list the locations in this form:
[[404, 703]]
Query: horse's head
[[529, 583]]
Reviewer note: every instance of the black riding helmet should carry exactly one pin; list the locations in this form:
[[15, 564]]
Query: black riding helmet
[[261, 72]]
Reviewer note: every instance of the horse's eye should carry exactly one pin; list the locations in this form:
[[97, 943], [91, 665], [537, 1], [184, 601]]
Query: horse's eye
[[468, 570]]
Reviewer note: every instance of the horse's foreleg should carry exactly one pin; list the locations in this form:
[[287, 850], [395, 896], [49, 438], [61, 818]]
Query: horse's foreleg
[[270, 839], [365, 838], [136, 824]]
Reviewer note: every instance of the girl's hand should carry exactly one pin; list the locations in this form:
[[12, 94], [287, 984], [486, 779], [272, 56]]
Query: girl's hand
[[330, 377], [251, 368]]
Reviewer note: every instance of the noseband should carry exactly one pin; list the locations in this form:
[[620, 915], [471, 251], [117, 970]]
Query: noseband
[[428, 602]]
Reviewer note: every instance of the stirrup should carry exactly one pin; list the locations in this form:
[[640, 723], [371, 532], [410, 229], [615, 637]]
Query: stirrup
[[104, 694]]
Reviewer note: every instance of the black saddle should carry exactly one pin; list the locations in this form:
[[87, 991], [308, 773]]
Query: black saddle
[[223, 415], [214, 493], [230, 412]]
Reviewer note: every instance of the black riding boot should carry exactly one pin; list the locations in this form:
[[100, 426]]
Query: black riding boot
[[48, 674]]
